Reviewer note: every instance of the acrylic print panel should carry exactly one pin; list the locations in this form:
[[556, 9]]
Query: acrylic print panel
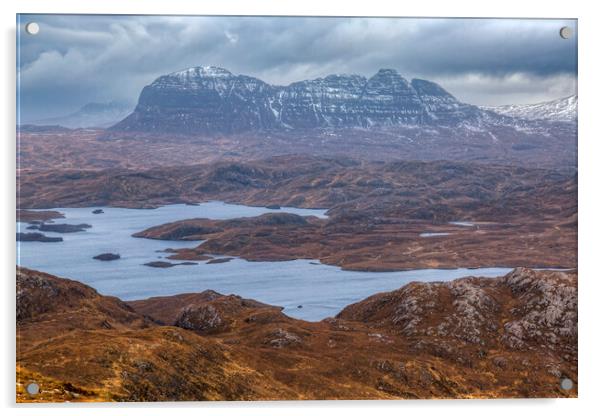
[[291, 208]]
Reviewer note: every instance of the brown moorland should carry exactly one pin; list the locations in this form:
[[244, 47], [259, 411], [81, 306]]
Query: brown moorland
[[376, 211], [25, 215], [551, 145], [438, 191], [381, 246]]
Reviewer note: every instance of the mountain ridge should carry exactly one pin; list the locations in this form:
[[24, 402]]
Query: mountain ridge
[[209, 99]]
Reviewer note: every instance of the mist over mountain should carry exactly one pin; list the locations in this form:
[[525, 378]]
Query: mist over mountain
[[91, 115]]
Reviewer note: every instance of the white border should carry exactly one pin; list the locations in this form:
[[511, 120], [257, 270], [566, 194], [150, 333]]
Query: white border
[[590, 163]]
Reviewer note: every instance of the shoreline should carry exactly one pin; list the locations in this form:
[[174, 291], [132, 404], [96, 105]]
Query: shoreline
[[382, 247]]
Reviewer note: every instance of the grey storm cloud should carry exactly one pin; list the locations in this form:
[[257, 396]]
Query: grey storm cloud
[[76, 59]]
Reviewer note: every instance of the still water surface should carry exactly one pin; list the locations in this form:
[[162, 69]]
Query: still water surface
[[321, 290]]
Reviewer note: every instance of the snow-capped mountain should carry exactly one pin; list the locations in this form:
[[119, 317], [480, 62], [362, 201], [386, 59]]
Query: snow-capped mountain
[[562, 109], [213, 100], [91, 115]]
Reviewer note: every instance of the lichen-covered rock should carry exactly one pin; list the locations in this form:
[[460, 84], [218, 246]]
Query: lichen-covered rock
[[219, 313], [520, 310], [281, 338], [547, 309]]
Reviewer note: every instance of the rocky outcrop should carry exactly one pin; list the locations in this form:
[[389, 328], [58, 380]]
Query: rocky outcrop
[[220, 313], [63, 228], [523, 310], [166, 309], [547, 312], [42, 297], [38, 237], [208, 100], [167, 264], [107, 257], [220, 260]]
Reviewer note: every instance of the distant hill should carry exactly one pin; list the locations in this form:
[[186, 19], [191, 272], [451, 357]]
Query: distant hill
[[42, 128], [90, 115]]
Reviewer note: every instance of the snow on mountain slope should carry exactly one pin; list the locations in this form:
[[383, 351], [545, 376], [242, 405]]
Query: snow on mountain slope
[[562, 109], [213, 100]]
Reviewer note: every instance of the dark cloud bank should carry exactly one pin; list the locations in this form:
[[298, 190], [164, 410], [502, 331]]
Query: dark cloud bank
[[79, 59]]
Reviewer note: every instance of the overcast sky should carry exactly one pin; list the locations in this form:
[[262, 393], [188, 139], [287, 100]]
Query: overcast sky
[[77, 59]]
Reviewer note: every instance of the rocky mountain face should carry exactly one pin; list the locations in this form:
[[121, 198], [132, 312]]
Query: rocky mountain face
[[563, 109], [213, 100], [468, 338]]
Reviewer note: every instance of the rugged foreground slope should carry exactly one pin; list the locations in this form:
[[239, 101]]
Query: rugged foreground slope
[[514, 336]]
